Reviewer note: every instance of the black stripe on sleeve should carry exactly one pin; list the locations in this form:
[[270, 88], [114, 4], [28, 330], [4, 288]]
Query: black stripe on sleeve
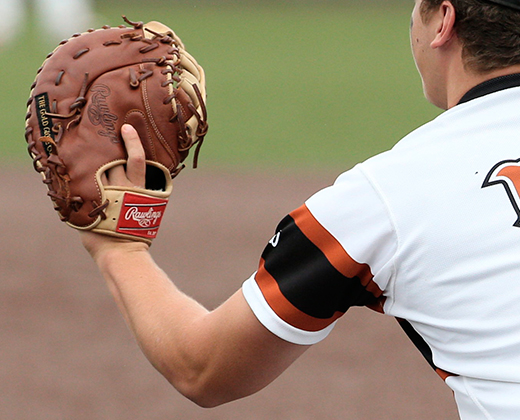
[[305, 276]]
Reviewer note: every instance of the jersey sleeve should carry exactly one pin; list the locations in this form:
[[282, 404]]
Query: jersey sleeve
[[322, 260]]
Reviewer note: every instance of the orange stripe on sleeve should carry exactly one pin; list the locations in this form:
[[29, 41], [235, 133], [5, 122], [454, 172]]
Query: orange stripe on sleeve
[[285, 309], [333, 250]]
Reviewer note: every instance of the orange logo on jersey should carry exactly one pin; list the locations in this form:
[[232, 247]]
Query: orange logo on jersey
[[507, 173]]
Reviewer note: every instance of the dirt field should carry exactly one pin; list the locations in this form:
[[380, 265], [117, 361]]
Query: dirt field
[[66, 353]]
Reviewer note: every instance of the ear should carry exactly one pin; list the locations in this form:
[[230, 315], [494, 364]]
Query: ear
[[445, 30]]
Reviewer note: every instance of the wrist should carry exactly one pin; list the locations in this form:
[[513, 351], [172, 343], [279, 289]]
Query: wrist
[[104, 249]]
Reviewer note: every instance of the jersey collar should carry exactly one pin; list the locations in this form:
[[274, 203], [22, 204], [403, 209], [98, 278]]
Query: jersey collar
[[491, 86]]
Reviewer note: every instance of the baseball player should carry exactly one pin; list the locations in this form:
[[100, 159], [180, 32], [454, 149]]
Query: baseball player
[[428, 233]]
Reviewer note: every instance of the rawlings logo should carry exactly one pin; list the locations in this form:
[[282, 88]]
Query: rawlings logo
[[141, 215], [143, 218], [507, 173], [99, 112]]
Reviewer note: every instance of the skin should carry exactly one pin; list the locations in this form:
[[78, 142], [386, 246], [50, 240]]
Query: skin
[[213, 357]]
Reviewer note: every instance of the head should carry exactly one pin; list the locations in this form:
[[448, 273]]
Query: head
[[488, 31]]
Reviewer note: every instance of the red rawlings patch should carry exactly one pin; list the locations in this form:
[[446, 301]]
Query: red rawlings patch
[[141, 215]]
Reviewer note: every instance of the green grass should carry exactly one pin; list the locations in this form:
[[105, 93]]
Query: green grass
[[289, 85]]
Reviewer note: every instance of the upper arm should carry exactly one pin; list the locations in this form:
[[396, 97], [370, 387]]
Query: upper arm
[[245, 356]]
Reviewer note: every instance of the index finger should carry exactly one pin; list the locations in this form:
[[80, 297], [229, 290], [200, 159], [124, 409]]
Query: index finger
[[136, 163]]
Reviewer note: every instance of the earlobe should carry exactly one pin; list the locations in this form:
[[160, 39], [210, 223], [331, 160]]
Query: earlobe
[[446, 29]]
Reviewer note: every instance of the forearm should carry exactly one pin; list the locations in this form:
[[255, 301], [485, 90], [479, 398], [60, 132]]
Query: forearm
[[165, 322]]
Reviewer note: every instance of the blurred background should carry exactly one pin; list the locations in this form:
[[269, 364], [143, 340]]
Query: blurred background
[[292, 83], [298, 91]]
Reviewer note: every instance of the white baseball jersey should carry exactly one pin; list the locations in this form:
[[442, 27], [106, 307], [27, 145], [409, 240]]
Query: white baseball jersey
[[429, 233]]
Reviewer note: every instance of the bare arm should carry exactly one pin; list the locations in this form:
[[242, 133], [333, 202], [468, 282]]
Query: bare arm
[[212, 357]]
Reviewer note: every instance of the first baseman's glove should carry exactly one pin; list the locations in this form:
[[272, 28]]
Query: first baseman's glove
[[86, 89]]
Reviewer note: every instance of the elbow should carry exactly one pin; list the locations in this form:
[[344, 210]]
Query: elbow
[[204, 397], [205, 400], [204, 392], [207, 384]]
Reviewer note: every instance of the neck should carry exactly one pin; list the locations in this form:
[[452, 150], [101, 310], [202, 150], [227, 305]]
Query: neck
[[460, 81]]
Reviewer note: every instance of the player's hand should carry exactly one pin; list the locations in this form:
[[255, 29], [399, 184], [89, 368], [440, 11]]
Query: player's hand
[[134, 175]]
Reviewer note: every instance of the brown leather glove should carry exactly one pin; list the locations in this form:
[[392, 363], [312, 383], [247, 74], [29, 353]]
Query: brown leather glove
[[86, 89]]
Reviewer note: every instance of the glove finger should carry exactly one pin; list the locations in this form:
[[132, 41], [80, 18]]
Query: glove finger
[[136, 164], [190, 64]]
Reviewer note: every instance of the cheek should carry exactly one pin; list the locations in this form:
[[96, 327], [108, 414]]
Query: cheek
[[417, 43], [415, 23], [415, 47]]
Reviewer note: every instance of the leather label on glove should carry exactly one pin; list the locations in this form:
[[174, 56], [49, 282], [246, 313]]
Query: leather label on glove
[[141, 215], [44, 121]]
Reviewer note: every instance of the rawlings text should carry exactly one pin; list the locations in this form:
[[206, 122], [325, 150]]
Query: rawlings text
[[99, 112], [143, 218]]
